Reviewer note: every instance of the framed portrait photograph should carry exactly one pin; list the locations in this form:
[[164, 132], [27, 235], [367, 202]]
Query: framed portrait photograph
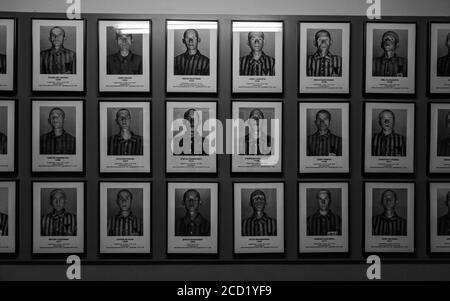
[[323, 217], [124, 55], [439, 146], [7, 54], [8, 122], [258, 217], [57, 135], [58, 47], [8, 200], [192, 218], [190, 137], [324, 58], [390, 58], [58, 217], [439, 209], [439, 55], [389, 137], [191, 56], [124, 136], [257, 136], [389, 217], [324, 137], [257, 56], [125, 217]]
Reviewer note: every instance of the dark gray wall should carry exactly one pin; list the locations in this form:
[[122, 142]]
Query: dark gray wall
[[225, 266]]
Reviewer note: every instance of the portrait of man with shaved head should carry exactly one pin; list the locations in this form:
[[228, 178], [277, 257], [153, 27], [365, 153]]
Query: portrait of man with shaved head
[[191, 62]]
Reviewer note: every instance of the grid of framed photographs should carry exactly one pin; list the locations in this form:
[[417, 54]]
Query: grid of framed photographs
[[62, 136]]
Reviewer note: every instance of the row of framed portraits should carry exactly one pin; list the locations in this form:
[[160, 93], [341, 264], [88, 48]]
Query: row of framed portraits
[[192, 217], [254, 137], [124, 51]]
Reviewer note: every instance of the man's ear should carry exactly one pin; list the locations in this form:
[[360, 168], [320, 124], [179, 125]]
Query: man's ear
[[315, 43], [199, 40]]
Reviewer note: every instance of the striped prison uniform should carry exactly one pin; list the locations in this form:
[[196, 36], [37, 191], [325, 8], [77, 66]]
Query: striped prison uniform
[[253, 147], [393, 226], [196, 145], [120, 225], [118, 146], [3, 64], [64, 144], [327, 66], [329, 224], [388, 145], [324, 145], [444, 147], [3, 224], [61, 61], [443, 66], [59, 224], [187, 64], [199, 226], [444, 225], [118, 64], [264, 66], [395, 66], [263, 226], [3, 144]]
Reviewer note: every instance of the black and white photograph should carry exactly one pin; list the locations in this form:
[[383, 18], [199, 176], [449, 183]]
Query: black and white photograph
[[58, 55], [258, 217], [7, 216], [124, 136], [257, 136], [439, 65], [323, 217], [125, 217], [57, 135], [390, 58], [389, 217], [439, 208], [7, 135], [324, 137], [124, 55], [389, 137], [7, 54], [192, 217], [191, 137], [257, 58], [58, 217], [324, 58], [439, 146], [191, 58]]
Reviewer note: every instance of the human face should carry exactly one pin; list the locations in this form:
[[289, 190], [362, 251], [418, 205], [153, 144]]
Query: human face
[[324, 200], [389, 202], [323, 121], [387, 121], [323, 42], [389, 43], [259, 202], [56, 119], [57, 37], [191, 40], [256, 41], [123, 119], [192, 202], [124, 42], [58, 201], [124, 201]]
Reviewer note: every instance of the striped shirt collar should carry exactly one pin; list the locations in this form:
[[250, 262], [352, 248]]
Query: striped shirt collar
[[53, 50], [122, 58], [197, 54], [317, 55], [258, 61], [120, 139], [327, 134], [197, 220], [392, 218], [52, 134], [55, 214], [129, 216], [385, 58], [264, 217], [393, 133], [329, 213]]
